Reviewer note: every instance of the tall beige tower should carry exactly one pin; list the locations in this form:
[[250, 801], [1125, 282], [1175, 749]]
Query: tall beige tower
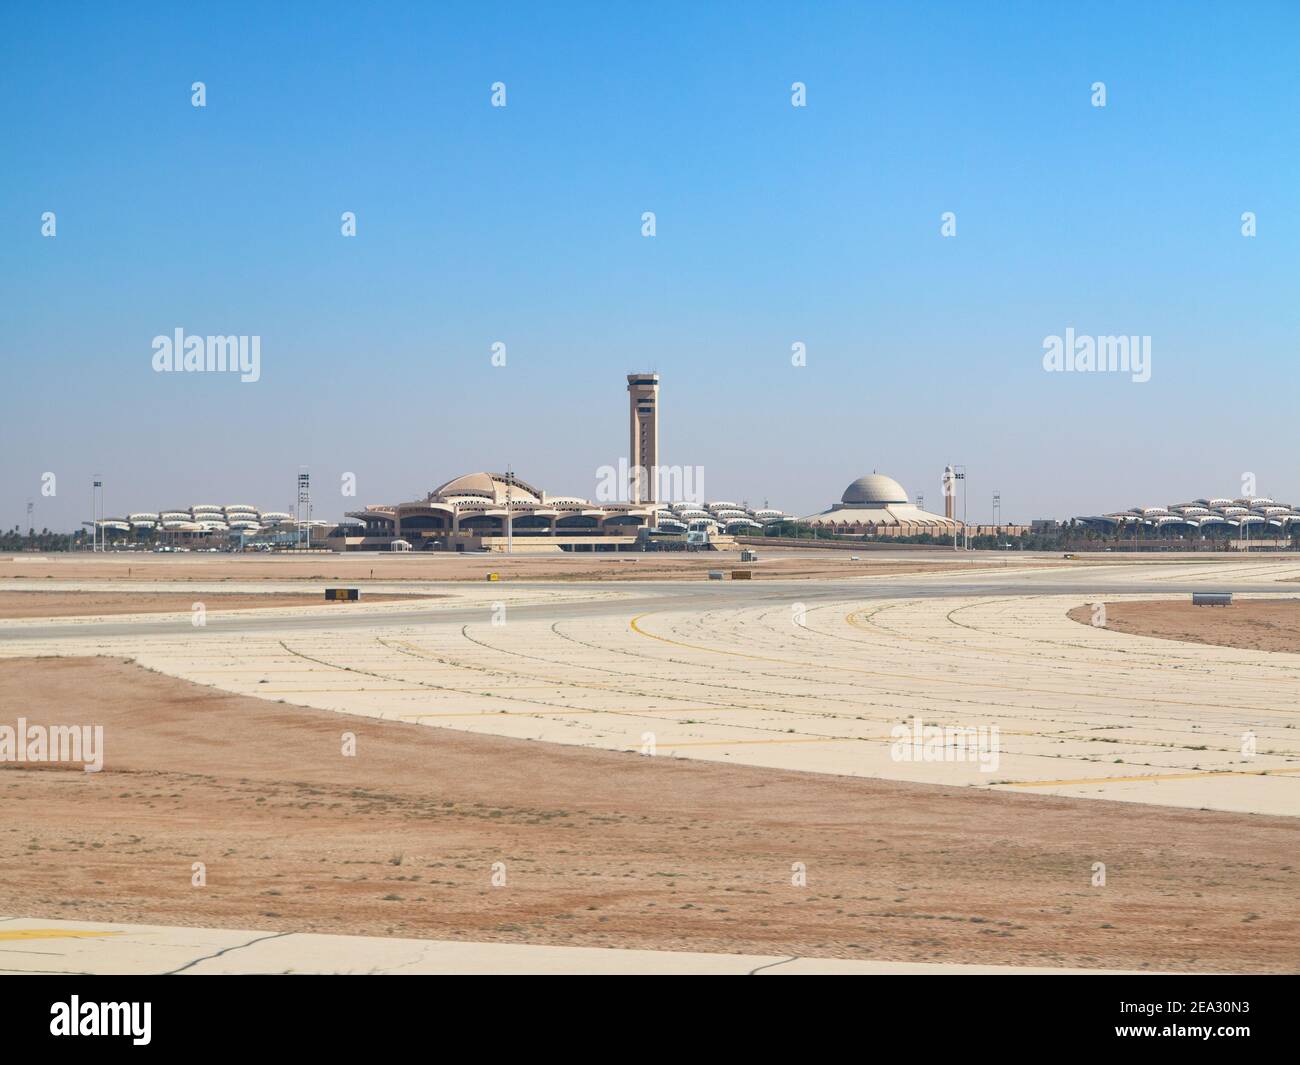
[[643, 455]]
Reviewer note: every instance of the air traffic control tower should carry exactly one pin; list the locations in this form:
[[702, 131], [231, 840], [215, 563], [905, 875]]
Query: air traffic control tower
[[643, 457]]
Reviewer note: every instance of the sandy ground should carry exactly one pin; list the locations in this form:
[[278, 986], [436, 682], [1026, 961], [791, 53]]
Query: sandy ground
[[1257, 624], [39, 604], [600, 848], [783, 563]]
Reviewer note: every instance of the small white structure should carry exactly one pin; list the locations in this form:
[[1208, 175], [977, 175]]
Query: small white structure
[[401, 545]]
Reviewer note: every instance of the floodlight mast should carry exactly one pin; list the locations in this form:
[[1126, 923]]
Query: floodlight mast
[[96, 513], [952, 474], [965, 502]]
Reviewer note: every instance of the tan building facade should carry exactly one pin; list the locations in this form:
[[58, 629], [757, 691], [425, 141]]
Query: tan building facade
[[643, 452], [471, 512], [467, 509]]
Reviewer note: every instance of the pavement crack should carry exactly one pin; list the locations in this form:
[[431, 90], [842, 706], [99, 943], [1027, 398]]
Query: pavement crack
[[225, 950], [773, 965]]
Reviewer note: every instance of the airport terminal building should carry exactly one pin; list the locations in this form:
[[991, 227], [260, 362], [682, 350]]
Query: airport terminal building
[[201, 524], [470, 513], [1254, 517]]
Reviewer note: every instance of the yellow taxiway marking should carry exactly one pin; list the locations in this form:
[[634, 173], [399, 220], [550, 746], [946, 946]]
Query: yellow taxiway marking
[[51, 933], [964, 682], [1106, 696], [960, 681], [547, 683], [733, 743], [561, 710], [328, 691], [556, 686], [1130, 654], [1150, 777], [989, 685]]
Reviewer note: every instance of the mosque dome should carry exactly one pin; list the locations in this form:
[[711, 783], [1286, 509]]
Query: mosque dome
[[874, 490]]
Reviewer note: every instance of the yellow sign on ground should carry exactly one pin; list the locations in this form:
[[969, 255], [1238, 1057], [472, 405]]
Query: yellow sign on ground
[[52, 933]]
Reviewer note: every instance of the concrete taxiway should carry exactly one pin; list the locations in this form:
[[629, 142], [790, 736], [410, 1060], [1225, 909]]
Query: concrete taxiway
[[811, 675], [77, 947]]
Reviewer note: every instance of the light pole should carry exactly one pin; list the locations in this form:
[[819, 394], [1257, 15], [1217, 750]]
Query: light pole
[[96, 513], [965, 500], [510, 517], [959, 474], [949, 500]]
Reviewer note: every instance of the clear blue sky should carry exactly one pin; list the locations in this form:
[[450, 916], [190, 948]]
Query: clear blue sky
[[775, 224]]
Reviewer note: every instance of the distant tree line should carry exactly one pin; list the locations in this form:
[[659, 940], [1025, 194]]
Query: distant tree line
[[16, 540], [1068, 536]]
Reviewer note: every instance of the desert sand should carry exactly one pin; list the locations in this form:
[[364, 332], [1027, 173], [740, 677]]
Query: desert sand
[[601, 848], [1257, 624], [427, 566], [42, 604]]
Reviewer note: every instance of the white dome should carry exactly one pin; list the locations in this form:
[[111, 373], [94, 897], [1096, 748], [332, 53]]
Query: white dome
[[490, 485], [876, 490]]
